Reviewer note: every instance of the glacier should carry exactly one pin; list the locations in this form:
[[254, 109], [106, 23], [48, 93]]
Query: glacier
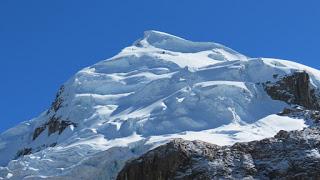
[[162, 87]]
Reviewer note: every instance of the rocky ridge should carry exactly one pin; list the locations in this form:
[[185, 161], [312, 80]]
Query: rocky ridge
[[294, 89], [288, 155]]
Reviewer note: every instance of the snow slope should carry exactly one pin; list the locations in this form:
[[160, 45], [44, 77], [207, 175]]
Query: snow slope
[[161, 87]]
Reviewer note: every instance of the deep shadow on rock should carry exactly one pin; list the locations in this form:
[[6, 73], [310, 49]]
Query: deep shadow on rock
[[294, 89]]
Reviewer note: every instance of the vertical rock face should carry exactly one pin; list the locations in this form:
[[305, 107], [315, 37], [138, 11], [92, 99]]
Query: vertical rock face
[[164, 162], [289, 155], [294, 89]]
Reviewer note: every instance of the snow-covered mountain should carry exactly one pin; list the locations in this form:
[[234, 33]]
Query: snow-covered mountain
[[160, 88]]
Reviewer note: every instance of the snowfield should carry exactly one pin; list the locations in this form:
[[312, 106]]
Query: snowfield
[[162, 87]]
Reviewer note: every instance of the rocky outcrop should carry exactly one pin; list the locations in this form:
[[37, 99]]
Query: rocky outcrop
[[310, 116], [23, 152], [58, 125], [294, 89], [54, 125], [28, 151], [38, 131], [289, 155], [57, 103]]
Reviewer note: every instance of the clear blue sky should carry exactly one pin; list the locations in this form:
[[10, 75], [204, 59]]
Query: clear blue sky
[[44, 42]]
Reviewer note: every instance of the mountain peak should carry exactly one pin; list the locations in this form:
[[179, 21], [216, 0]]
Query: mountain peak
[[153, 36], [181, 51], [173, 43], [162, 87]]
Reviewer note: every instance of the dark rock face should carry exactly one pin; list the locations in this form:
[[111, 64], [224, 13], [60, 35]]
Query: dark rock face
[[294, 89], [57, 103], [23, 152], [57, 125], [54, 125], [163, 162], [289, 155], [38, 131]]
